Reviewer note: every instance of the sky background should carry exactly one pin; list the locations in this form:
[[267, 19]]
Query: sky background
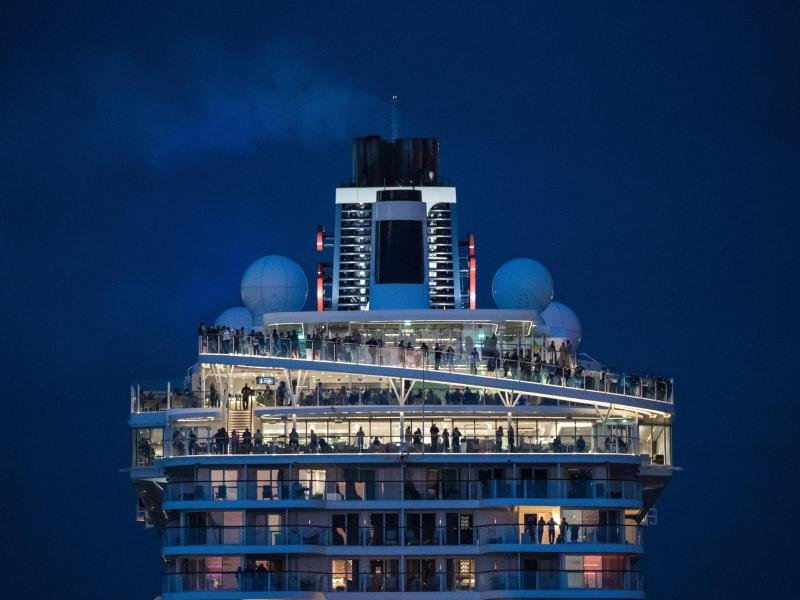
[[648, 153]]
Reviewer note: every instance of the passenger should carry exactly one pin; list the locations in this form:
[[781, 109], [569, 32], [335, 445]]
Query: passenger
[[449, 358], [540, 529], [408, 435], [294, 440], [456, 440], [177, 442], [564, 530], [434, 436], [551, 352], [473, 361], [530, 528], [510, 438], [259, 440], [247, 441], [557, 445], [234, 442], [498, 439], [551, 530], [313, 444], [246, 393], [418, 437], [580, 445], [192, 442], [360, 439], [437, 355], [445, 440]]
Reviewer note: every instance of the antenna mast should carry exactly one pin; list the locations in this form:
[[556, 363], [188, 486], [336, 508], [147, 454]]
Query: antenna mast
[[394, 119]]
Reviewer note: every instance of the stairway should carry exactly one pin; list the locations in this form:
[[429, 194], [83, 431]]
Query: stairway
[[239, 420]]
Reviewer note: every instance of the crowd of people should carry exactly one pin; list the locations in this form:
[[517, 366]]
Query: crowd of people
[[185, 441]]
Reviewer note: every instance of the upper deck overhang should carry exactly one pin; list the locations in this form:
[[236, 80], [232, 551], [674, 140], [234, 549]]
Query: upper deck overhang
[[593, 398], [378, 317]]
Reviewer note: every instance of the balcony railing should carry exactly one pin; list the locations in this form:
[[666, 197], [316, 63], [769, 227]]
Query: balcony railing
[[479, 535], [555, 368], [495, 580], [411, 490]]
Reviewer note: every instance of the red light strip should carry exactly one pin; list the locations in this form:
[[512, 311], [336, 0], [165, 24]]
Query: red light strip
[[473, 268], [320, 287], [320, 238]]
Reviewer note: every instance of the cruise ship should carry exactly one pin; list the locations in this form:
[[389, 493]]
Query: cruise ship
[[398, 439]]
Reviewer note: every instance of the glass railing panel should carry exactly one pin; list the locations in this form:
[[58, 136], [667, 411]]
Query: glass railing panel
[[410, 490], [553, 368]]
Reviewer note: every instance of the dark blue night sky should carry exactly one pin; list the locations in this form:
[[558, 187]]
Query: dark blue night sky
[[648, 153]]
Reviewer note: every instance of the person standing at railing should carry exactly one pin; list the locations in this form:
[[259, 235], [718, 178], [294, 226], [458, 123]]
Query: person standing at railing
[[380, 350], [540, 529], [551, 530], [563, 530], [234, 442], [221, 441], [247, 441], [445, 440], [449, 358], [313, 443], [456, 440], [498, 439], [226, 340], [201, 331], [510, 438], [530, 528], [580, 445], [437, 355], [360, 439], [473, 361], [372, 349], [551, 352], [192, 442], [434, 436]]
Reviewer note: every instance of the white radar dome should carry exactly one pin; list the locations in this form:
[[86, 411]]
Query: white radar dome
[[560, 321], [522, 283], [274, 284], [235, 318]]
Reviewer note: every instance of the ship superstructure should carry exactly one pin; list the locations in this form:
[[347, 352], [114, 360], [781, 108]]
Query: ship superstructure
[[398, 440]]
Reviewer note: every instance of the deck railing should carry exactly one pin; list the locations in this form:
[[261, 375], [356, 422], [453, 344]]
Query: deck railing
[[304, 490], [253, 580], [478, 535], [552, 368]]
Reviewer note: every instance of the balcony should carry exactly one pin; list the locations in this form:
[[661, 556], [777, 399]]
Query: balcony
[[484, 538], [531, 364], [410, 491], [602, 583], [203, 443]]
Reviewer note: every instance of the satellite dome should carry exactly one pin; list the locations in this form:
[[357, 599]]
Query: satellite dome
[[235, 318], [274, 284], [560, 321], [522, 283]]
